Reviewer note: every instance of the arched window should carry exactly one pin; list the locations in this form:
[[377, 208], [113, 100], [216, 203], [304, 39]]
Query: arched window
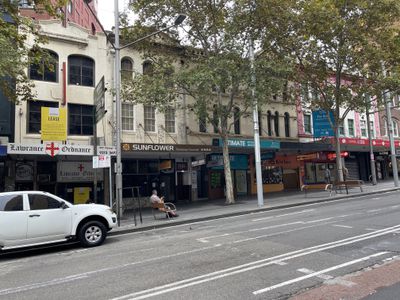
[[236, 120], [46, 69], [260, 122], [276, 123], [287, 124], [269, 120], [80, 70], [147, 68], [126, 68]]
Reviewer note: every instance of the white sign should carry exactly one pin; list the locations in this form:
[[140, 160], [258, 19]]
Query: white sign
[[23, 171], [50, 148], [101, 161], [71, 171], [107, 150]]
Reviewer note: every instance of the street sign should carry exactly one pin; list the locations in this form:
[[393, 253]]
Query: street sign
[[99, 99], [107, 150], [101, 161], [321, 125]]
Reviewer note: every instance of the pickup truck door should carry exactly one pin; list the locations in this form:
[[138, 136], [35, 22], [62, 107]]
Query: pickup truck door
[[13, 220], [47, 219]]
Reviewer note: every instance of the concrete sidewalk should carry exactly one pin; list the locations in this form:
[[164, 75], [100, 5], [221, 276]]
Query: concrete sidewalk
[[213, 209]]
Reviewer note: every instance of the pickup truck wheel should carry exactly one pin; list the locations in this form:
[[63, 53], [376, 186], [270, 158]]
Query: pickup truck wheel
[[92, 233]]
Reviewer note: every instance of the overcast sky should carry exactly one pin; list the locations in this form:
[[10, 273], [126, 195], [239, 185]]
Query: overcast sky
[[106, 11]]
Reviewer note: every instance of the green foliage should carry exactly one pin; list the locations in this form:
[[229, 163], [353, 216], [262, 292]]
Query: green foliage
[[15, 33], [339, 47], [210, 63]]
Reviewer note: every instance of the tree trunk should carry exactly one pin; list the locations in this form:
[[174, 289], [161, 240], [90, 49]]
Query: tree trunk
[[230, 197], [339, 167]]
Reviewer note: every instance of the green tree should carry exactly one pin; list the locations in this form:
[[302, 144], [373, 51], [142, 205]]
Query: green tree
[[216, 72], [17, 51], [340, 48]]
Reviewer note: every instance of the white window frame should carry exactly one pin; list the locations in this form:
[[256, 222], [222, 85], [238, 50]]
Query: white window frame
[[145, 118], [364, 128], [372, 131], [125, 117], [304, 123], [167, 127], [348, 128]]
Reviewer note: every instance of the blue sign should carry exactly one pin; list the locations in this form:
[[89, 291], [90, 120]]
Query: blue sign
[[264, 144], [3, 150], [321, 125], [238, 161]]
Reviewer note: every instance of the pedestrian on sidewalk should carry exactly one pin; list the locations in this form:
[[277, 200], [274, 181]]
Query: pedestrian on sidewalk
[[345, 173], [155, 199], [327, 175]]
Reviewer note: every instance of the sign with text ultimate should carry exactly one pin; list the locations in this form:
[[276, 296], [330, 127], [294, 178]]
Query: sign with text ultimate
[[321, 125], [239, 143], [53, 124]]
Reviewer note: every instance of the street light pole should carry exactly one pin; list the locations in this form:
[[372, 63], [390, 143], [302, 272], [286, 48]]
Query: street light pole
[[389, 121], [257, 154], [371, 148]]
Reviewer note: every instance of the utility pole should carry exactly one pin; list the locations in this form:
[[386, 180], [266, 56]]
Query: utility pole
[[257, 154], [388, 105], [118, 165], [371, 147]]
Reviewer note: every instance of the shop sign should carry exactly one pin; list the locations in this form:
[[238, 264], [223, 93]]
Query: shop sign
[[53, 124], [199, 162], [365, 142], [321, 125], [308, 156], [288, 162], [138, 147], [107, 150], [239, 143], [71, 171], [101, 161], [268, 155], [50, 148], [181, 166], [398, 152], [332, 156], [24, 171]]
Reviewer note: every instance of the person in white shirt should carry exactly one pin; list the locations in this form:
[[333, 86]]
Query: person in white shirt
[[155, 199]]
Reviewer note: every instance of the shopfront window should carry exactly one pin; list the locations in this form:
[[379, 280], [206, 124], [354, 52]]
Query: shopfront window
[[272, 175]]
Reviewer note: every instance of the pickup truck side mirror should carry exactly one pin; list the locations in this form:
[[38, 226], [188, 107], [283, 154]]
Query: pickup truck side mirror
[[64, 206]]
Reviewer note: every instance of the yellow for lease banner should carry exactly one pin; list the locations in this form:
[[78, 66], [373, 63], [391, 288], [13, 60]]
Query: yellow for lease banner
[[54, 124]]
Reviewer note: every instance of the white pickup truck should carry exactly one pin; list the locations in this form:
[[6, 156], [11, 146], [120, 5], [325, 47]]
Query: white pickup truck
[[30, 218]]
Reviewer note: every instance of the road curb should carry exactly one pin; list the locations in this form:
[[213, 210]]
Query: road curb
[[246, 212]]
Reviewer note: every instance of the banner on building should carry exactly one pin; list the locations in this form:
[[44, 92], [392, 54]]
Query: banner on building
[[53, 124], [74, 171], [50, 148], [321, 123]]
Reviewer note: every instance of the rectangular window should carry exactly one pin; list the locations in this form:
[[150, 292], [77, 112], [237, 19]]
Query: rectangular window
[[363, 126], [149, 118], [307, 124], [127, 116], [170, 120], [203, 123], [341, 129], [395, 129], [350, 125], [35, 114], [371, 124], [80, 119]]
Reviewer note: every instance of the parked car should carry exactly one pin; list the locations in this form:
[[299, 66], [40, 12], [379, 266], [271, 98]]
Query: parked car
[[30, 218]]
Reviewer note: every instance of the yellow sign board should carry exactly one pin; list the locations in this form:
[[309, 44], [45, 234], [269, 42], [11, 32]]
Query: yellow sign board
[[54, 124], [81, 195]]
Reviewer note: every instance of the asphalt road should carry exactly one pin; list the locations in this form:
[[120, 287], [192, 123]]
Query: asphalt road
[[266, 255]]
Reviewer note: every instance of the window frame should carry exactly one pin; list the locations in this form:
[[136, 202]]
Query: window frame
[[353, 130], [276, 123], [128, 118], [29, 113], [2, 207], [236, 121], [170, 123], [81, 67], [41, 65], [82, 117], [287, 124], [307, 130], [151, 118], [126, 73], [45, 196]]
